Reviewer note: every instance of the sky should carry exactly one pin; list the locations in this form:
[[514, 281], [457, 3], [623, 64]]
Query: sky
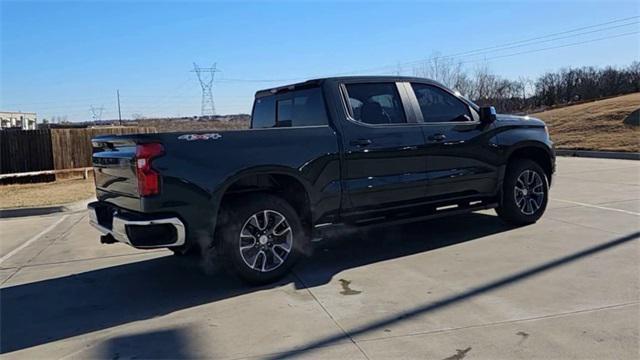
[[59, 59]]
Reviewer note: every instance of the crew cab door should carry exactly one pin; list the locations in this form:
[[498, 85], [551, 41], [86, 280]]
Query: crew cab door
[[461, 160], [384, 160]]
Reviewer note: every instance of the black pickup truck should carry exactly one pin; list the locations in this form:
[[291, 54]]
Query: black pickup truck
[[320, 154]]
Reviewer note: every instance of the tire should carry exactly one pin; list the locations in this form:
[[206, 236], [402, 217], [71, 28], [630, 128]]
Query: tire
[[525, 193], [270, 233]]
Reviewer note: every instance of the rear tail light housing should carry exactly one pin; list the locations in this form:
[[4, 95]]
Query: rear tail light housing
[[148, 178]]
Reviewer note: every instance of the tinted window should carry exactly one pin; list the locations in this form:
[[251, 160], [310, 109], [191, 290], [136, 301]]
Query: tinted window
[[264, 113], [285, 112], [438, 105], [296, 108], [375, 103], [308, 108]]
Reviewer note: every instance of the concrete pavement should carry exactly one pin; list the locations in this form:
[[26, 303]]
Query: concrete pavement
[[464, 287]]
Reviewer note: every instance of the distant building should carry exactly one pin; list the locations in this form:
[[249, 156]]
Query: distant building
[[17, 119]]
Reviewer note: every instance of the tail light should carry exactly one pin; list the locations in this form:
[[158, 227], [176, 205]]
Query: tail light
[[148, 178]]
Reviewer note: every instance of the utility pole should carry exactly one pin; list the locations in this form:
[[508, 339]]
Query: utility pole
[[206, 82], [119, 112]]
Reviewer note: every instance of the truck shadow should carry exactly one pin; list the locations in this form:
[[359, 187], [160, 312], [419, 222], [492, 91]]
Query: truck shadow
[[172, 343], [54, 309], [353, 247]]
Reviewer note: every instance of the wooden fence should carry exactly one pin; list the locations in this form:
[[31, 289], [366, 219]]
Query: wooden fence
[[22, 151], [51, 149], [72, 147]]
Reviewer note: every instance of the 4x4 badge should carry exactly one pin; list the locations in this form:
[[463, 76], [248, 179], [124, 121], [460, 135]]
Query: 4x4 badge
[[191, 137]]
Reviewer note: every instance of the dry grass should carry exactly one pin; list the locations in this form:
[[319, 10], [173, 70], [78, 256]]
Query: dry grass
[[43, 194], [596, 125], [181, 125]]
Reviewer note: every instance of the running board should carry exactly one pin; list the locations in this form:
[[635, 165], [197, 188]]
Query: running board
[[443, 211]]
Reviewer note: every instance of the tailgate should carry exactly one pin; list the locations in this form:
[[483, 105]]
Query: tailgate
[[114, 166]]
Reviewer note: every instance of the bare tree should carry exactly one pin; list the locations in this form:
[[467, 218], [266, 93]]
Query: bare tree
[[444, 70], [566, 85]]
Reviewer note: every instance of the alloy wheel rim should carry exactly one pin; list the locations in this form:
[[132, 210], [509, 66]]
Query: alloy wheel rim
[[529, 192], [266, 240]]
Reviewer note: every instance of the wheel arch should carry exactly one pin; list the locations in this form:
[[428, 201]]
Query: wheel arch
[[283, 182], [535, 151]]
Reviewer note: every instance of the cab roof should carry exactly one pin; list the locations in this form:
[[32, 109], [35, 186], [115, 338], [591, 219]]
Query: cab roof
[[340, 79]]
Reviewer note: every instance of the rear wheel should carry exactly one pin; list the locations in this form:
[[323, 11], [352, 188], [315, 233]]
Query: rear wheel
[[261, 237], [525, 193]]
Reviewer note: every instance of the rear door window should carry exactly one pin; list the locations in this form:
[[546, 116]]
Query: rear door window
[[309, 108], [297, 108], [375, 103]]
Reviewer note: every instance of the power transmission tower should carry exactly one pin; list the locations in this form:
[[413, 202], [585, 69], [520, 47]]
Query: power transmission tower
[[96, 112], [206, 82]]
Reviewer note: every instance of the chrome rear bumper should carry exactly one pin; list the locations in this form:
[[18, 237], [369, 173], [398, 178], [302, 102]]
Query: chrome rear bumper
[[119, 229]]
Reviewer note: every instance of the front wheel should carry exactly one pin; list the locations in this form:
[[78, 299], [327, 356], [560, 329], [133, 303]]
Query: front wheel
[[261, 238], [525, 193]]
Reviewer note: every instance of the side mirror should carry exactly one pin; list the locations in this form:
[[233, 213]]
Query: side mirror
[[487, 114]]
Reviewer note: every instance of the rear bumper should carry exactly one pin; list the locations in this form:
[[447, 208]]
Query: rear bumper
[[138, 230]]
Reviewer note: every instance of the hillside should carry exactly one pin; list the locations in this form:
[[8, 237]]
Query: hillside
[[595, 125]]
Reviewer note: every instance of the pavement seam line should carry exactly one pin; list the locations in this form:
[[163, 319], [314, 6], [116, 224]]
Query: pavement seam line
[[33, 239], [10, 276], [586, 226], [506, 322], [600, 170], [62, 236], [595, 181], [275, 354], [617, 201], [596, 206], [87, 259], [344, 331]]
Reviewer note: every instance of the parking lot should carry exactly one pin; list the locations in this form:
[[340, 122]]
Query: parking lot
[[463, 287]]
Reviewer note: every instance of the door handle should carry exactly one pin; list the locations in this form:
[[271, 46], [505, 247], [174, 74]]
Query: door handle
[[361, 142], [437, 137]]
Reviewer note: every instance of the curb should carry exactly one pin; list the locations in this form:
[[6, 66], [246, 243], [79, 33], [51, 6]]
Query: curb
[[599, 154], [44, 210]]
